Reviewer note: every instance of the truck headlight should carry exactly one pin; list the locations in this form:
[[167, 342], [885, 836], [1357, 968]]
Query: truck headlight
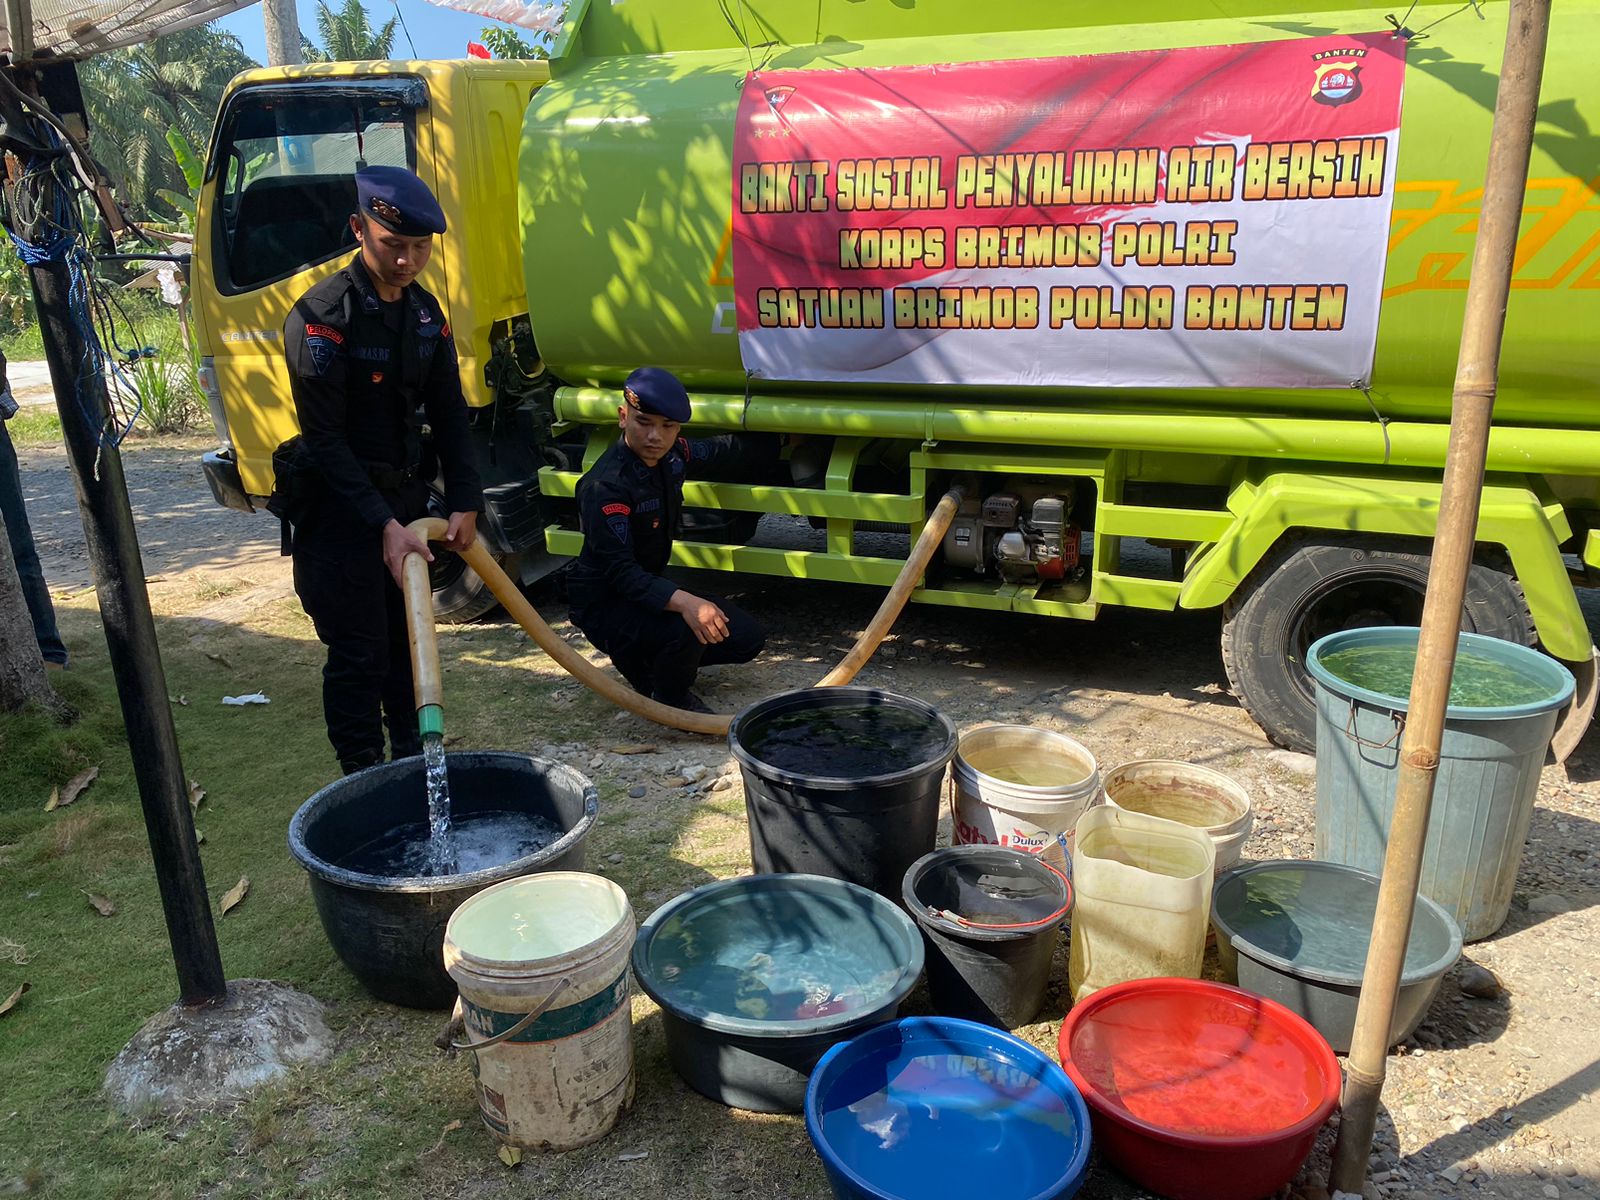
[[207, 376]]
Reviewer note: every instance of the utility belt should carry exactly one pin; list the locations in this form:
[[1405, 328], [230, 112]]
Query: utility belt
[[299, 488], [389, 479]]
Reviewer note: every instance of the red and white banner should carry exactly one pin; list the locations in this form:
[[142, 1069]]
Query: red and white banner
[[1206, 217]]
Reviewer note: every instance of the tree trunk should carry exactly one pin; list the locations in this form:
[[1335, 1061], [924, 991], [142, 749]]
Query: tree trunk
[[283, 32], [22, 677]]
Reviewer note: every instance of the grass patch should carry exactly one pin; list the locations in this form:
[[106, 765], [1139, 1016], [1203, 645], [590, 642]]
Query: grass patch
[[218, 587], [374, 1122], [36, 425]]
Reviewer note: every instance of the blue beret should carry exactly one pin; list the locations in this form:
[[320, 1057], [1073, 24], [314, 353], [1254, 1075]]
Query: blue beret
[[657, 391], [399, 201]]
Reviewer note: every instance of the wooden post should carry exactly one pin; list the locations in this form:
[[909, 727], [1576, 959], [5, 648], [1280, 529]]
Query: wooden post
[[1472, 405]]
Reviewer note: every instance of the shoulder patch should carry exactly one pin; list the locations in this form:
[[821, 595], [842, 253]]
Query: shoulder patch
[[615, 510], [322, 351], [325, 331]]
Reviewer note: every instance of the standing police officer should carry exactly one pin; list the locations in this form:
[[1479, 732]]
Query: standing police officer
[[658, 634], [366, 349]]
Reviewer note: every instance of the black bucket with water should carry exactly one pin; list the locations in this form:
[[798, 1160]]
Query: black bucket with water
[[842, 782], [990, 917], [385, 920]]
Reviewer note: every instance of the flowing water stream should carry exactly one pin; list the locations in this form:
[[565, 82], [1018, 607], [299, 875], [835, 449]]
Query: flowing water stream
[[441, 849]]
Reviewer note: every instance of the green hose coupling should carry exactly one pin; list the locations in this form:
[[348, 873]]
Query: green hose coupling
[[430, 719]]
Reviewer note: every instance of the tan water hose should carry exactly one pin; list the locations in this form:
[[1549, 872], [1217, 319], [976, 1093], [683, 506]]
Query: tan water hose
[[425, 649]]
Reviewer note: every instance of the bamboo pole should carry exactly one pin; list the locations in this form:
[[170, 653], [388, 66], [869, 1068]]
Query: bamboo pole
[[1472, 405]]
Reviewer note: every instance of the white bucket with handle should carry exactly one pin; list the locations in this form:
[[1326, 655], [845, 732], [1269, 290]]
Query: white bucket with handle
[[542, 966], [1022, 787]]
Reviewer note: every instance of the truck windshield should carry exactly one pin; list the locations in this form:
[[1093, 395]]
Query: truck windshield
[[284, 167]]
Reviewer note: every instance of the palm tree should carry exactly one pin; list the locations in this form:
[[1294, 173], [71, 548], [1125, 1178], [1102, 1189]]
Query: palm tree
[[135, 95], [347, 34]]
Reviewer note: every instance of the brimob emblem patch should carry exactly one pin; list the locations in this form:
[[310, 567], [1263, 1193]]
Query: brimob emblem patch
[[322, 351]]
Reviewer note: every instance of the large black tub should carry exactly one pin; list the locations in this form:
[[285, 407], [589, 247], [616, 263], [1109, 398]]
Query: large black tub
[[842, 782], [390, 930]]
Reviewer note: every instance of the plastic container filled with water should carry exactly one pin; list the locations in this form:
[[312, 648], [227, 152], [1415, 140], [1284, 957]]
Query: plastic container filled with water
[[933, 1107]]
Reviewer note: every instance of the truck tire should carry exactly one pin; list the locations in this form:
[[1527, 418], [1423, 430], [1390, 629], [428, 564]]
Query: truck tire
[[459, 593], [1308, 588]]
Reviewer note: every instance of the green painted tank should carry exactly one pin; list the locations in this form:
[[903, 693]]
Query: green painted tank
[[626, 183]]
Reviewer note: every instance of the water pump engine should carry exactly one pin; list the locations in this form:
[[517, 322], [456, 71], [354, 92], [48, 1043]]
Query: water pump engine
[[995, 536]]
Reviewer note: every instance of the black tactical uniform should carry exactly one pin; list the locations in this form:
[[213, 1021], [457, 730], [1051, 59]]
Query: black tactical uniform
[[360, 368], [629, 514]]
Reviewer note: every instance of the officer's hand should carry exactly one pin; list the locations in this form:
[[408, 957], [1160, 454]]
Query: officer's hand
[[462, 532], [398, 541], [709, 623]]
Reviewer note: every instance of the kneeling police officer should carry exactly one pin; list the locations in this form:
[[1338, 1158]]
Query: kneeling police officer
[[658, 634], [370, 356]]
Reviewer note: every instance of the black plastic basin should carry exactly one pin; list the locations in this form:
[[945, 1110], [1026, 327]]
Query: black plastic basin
[[992, 917], [390, 930], [864, 821]]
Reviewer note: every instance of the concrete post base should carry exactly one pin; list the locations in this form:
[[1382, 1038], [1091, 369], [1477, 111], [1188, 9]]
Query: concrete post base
[[187, 1058]]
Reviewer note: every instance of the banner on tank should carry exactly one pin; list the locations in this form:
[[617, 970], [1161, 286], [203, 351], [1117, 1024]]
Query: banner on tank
[[1207, 217]]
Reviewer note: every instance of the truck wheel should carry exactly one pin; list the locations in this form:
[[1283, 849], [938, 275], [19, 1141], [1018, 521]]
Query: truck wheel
[[459, 593], [1306, 589]]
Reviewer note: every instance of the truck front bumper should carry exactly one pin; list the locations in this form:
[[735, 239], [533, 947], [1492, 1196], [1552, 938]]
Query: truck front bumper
[[222, 474]]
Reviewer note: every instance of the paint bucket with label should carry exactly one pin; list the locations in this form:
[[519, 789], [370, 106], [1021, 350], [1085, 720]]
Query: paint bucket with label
[[1023, 788], [542, 967]]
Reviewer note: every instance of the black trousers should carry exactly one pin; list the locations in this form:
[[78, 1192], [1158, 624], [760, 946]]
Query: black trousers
[[359, 615], [657, 652]]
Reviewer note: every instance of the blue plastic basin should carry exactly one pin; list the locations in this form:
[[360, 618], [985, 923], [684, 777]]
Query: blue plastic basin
[[928, 1108]]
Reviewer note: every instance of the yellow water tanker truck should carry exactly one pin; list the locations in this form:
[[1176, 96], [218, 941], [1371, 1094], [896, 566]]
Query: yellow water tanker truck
[[1174, 293]]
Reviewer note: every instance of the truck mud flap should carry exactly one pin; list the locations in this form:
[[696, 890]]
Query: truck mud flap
[[1574, 720]]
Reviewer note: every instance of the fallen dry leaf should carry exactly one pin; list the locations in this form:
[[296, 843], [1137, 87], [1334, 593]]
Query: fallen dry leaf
[[197, 796], [633, 1156], [450, 739], [183, 700], [444, 1133], [509, 1155], [101, 905], [637, 748], [219, 660], [199, 837], [75, 787], [235, 894], [11, 1000]]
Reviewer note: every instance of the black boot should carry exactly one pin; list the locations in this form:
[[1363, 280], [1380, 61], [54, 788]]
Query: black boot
[[361, 761], [689, 702]]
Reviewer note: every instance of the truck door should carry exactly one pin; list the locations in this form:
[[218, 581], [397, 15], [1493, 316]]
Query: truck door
[[274, 219]]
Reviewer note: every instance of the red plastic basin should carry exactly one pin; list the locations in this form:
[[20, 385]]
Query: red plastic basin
[[1199, 1091]]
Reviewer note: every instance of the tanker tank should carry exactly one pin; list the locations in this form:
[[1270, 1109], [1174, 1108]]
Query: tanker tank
[[627, 190]]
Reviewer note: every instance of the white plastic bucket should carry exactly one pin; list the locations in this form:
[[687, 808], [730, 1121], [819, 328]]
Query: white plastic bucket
[[560, 940], [1021, 787], [1196, 796], [1142, 900]]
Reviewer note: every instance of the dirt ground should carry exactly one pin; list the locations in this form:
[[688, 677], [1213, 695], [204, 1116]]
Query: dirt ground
[[1497, 1096]]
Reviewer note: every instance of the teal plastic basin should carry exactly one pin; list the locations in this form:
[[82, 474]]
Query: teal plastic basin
[[1297, 932]]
